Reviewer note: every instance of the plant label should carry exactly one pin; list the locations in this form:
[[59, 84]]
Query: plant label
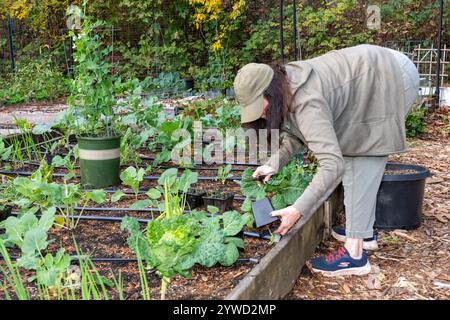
[[262, 210]]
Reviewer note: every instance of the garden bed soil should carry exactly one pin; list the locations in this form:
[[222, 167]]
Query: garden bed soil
[[110, 241]]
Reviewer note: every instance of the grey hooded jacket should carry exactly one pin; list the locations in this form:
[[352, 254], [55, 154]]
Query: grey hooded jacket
[[348, 102]]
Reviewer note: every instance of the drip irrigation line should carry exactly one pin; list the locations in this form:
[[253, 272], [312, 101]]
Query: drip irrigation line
[[94, 218], [142, 157], [119, 209], [76, 260], [36, 163], [249, 234], [150, 178], [133, 260]]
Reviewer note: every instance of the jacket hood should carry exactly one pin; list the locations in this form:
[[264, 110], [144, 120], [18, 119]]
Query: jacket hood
[[298, 74]]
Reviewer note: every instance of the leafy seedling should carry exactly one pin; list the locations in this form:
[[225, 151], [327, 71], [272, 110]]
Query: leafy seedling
[[223, 173]]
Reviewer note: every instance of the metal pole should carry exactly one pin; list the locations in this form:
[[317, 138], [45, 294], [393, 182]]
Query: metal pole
[[438, 56], [295, 30], [11, 44], [71, 61], [281, 33]]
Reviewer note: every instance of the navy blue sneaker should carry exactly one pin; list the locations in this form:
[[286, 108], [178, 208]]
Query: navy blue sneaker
[[369, 243], [339, 263]]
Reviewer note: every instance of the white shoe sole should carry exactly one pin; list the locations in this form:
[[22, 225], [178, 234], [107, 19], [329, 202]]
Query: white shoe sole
[[347, 272], [367, 245]]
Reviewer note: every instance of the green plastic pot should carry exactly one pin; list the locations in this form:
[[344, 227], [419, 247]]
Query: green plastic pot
[[99, 161]]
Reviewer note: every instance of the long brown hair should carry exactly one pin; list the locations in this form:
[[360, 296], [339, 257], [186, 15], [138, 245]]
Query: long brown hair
[[279, 96]]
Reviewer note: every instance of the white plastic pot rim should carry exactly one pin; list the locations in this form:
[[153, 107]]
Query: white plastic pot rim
[[99, 154]]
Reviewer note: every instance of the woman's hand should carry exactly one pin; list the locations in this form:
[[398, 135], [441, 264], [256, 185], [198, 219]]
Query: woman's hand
[[264, 171], [289, 216]]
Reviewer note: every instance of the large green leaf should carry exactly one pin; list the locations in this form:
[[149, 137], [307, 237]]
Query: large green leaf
[[136, 240], [153, 193], [232, 223], [278, 202], [238, 242], [168, 177], [98, 196], [230, 255], [141, 204], [186, 180], [117, 196], [47, 219], [35, 240]]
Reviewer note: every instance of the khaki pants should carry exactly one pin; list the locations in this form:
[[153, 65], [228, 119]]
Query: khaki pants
[[362, 177]]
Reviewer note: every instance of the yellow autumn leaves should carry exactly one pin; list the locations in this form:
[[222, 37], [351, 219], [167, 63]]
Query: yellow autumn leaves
[[212, 11], [18, 9]]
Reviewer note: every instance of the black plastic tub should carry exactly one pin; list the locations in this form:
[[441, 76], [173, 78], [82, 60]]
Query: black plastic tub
[[5, 212], [194, 198], [221, 200], [189, 84], [400, 198]]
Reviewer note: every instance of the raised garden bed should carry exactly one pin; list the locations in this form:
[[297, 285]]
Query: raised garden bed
[[241, 280]]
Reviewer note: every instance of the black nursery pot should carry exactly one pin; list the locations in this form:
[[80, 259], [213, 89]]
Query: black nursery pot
[[223, 201], [5, 212], [189, 84], [194, 198], [400, 198]]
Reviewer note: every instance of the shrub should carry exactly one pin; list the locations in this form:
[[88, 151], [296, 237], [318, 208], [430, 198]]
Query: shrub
[[415, 122], [34, 80]]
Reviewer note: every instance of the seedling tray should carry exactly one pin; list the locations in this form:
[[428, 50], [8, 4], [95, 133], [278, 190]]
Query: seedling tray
[[224, 201]]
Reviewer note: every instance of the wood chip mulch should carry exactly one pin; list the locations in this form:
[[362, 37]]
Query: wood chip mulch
[[413, 264]]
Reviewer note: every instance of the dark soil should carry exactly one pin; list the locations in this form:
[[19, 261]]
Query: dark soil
[[105, 239]]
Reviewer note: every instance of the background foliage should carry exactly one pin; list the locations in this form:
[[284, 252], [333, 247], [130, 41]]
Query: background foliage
[[208, 40]]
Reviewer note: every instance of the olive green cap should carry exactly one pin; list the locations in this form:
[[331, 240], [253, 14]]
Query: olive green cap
[[249, 85]]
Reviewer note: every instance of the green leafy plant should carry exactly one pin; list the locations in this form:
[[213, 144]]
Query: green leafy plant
[[223, 173], [24, 146], [133, 178], [29, 234], [38, 193], [55, 280], [92, 91], [415, 122], [69, 162], [284, 187], [175, 241], [5, 152], [36, 79]]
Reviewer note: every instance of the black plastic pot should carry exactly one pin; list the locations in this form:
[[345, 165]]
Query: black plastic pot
[[189, 83], [194, 198], [5, 212], [223, 201], [400, 198]]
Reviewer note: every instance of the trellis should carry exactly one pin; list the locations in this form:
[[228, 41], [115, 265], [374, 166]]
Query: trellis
[[425, 58]]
